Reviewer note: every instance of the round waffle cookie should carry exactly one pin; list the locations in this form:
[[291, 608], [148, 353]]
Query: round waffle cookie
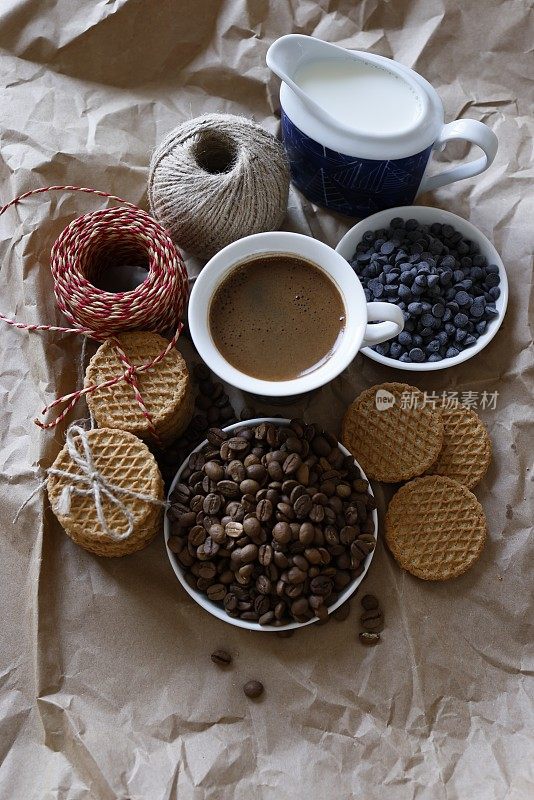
[[165, 388], [466, 452], [124, 461], [392, 432], [435, 528]]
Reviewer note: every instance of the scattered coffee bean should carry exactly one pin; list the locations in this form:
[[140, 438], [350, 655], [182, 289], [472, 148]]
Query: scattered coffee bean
[[221, 658], [369, 602], [372, 620], [253, 689], [368, 638]]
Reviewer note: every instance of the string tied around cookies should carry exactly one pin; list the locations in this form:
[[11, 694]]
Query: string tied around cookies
[[129, 376], [89, 482]]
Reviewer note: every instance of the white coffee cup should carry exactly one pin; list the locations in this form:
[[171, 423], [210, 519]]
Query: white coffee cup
[[388, 319]]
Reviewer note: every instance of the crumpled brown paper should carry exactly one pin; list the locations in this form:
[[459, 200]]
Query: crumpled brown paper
[[107, 689]]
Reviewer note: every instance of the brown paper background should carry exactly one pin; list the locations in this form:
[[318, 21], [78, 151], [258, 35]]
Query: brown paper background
[[107, 690]]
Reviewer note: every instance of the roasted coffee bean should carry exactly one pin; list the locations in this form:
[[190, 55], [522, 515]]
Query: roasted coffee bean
[[303, 474], [316, 513], [275, 471], [300, 607], [217, 533], [282, 533], [251, 526], [261, 605], [196, 461], [296, 575], [191, 580], [253, 689], [226, 452], [216, 592], [249, 486], [302, 506], [286, 511], [348, 534], [256, 472], [306, 533], [238, 444], [233, 529], [244, 574], [294, 590], [331, 536], [312, 555], [235, 511], [321, 586], [301, 562], [197, 535], [280, 559], [236, 471], [175, 544], [185, 558], [264, 510], [291, 464], [212, 504], [180, 493], [249, 553], [372, 620], [265, 555], [228, 488], [207, 550], [365, 547], [368, 638], [267, 618], [221, 657], [263, 584], [273, 495], [296, 492], [251, 616]]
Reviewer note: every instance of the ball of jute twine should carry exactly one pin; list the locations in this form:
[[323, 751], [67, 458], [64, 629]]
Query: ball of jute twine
[[215, 179]]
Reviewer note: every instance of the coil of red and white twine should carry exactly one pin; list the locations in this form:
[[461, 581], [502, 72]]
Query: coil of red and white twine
[[88, 246]]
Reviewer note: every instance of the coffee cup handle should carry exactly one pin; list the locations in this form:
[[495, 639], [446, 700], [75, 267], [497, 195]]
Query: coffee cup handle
[[389, 319], [469, 130]]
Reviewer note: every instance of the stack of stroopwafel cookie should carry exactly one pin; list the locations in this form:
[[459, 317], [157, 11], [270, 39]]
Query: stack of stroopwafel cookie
[[106, 490], [435, 527], [165, 389], [105, 486]]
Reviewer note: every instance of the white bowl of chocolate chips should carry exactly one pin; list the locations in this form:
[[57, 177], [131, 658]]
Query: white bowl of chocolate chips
[[443, 273], [272, 524]]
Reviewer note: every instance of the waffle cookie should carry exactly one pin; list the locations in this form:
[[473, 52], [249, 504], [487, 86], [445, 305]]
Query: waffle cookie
[[124, 461], [466, 452], [392, 432], [165, 388], [435, 528]]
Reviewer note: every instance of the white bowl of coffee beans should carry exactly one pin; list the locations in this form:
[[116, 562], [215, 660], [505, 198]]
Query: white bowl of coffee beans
[[271, 525], [442, 272]]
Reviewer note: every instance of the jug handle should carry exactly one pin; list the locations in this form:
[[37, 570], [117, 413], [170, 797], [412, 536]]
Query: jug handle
[[469, 130]]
